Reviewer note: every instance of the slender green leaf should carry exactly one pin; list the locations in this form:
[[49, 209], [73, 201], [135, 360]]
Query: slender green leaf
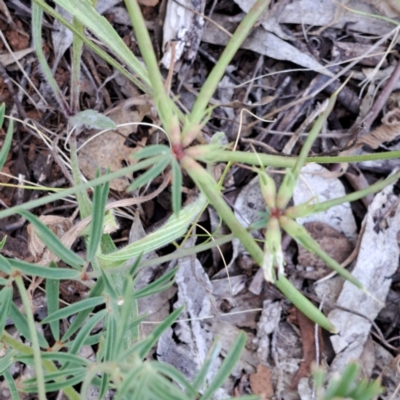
[[44, 272], [132, 379], [226, 368], [109, 288], [97, 290], [99, 202], [53, 242], [52, 387], [176, 376], [85, 331], [3, 242], [157, 286], [5, 265], [56, 356], [202, 374], [89, 17], [176, 186], [7, 360], [12, 387], [151, 151], [150, 341], [52, 292], [2, 112], [36, 23], [174, 228], [74, 308], [163, 389], [151, 173], [7, 142], [6, 295], [21, 324]]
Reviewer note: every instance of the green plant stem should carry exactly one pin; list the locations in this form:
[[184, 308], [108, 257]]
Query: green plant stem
[[77, 47], [268, 160], [37, 19], [47, 364], [35, 341], [218, 71], [210, 188], [307, 209], [161, 98]]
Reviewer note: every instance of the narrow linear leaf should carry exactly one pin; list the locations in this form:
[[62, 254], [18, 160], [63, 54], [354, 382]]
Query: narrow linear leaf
[[202, 374], [12, 387], [56, 356], [52, 292], [175, 375], [174, 228], [96, 231], [53, 242], [158, 331], [2, 112], [45, 272], [151, 151], [5, 305], [74, 308], [7, 141], [5, 265], [157, 286], [176, 186], [85, 331], [7, 360], [226, 368], [151, 173], [21, 324], [97, 290], [52, 387], [301, 235]]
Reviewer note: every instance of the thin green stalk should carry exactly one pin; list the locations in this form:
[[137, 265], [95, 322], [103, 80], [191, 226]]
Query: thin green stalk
[[161, 98], [77, 47], [302, 210], [210, 188], [289, 182], [37, 19], [268, 160], [47, 364], [35, 342], [218, 71]]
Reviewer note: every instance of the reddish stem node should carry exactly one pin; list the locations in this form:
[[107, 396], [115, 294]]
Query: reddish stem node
[[178, 151]]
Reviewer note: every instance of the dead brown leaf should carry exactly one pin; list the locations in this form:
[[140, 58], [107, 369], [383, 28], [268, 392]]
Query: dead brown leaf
[[108, 150], [387, 132], [309, 348], [260, 382]]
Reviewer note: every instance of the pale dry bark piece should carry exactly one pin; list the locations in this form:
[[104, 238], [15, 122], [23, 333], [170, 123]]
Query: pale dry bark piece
[[376, 263], [329, 13], [184, 29], [262, 42], [316, 184]]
